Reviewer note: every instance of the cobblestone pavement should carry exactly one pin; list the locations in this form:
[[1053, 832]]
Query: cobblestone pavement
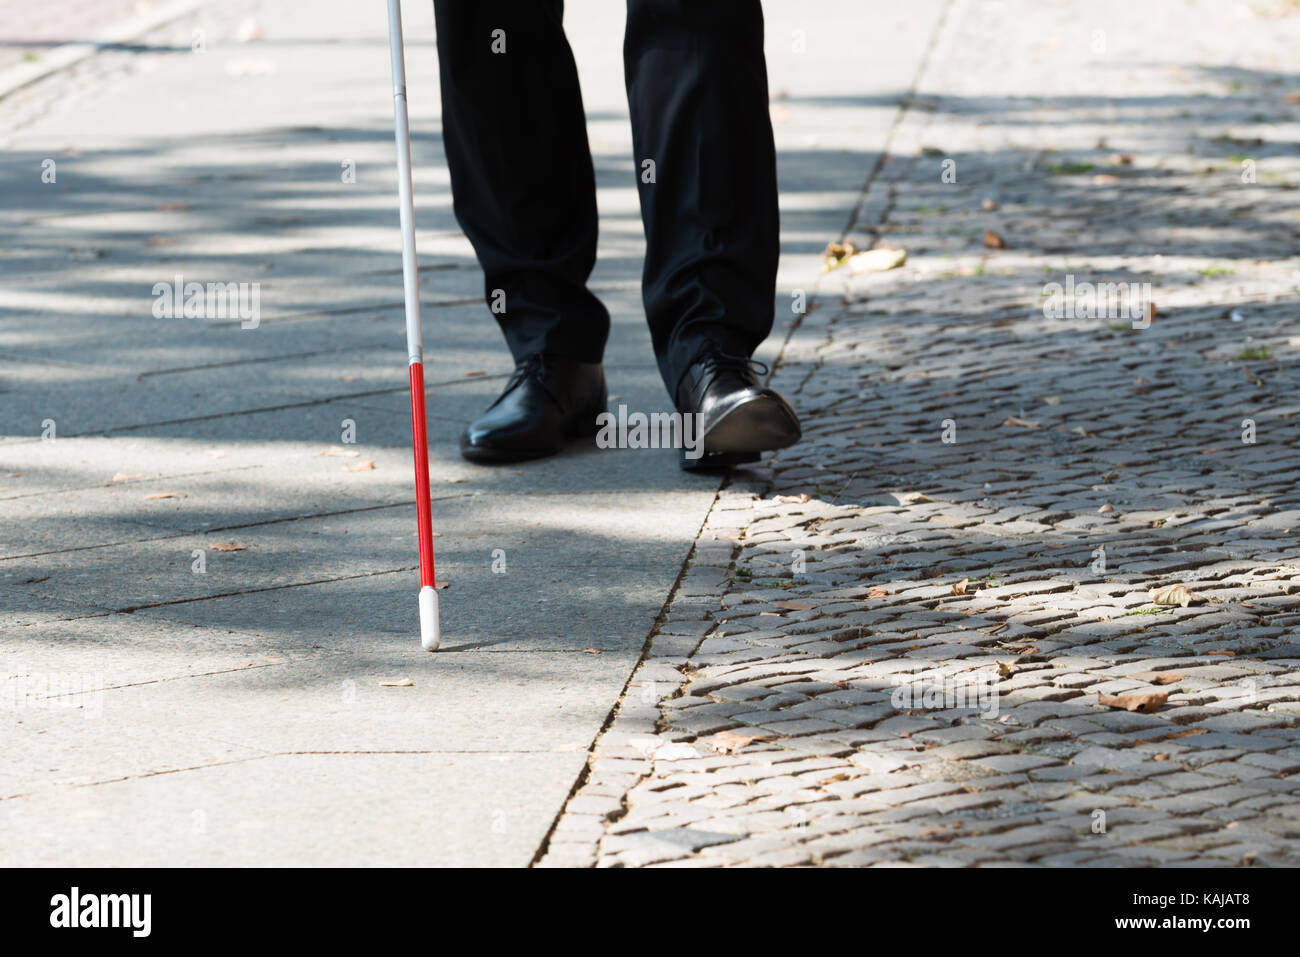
[[99, 78], [986, 497], [31, 30]]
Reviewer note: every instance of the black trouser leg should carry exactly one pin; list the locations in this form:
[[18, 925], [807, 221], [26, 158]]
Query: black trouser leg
[[521, 175], [697, 90]]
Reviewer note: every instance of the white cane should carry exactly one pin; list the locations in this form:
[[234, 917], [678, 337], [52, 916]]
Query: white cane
[[429, 631]]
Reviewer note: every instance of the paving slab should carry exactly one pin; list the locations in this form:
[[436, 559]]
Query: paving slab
[[302, 809]]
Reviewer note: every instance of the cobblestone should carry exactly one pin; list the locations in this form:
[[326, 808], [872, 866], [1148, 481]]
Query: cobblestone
[[1093, 461]]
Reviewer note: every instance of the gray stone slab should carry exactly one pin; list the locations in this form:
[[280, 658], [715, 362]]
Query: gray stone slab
[[327, 702], [414, 810]]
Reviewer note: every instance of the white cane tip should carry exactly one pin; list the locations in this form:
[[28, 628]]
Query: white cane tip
[[430, 636]]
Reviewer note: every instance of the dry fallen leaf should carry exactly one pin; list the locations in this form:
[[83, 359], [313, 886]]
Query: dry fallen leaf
[[881, 259], [1149, 313], [1292, 97], [473, 372], [335, 450], [993, 241], [1173, 595], [250, 66], [160, 495], [123, 477], [836, 255], [674, 751], [1148, 701], [249, 30], [959, 588], [1004, 670], [441, 585], [1167, 678], [399, 683], [795, 605], [1106, 509], [226, 547], [989, 205], [1121, 159], [1224, 654], [591, 651], [877, 592], [365, 465], [724, 742], [792, 499], [1015, 422]]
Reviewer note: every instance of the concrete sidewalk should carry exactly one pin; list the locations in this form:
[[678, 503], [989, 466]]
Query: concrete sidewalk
[[208, 635]]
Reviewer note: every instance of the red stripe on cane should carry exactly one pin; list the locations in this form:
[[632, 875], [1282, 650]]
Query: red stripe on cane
[[420, 442]]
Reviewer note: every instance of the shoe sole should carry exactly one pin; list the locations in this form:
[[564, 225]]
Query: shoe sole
[[583, 427], [718, 461], [488, 456]]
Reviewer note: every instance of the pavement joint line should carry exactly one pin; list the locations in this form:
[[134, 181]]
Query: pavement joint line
[[873, 174], [156, 774], [430, 751], [113, 430], [264, 755], [257, 360], [110, 431], [141, 481], [585, 773], [170, 678], [70, 363], [131, 609], [346, 310], [905, 104], [227, 528]]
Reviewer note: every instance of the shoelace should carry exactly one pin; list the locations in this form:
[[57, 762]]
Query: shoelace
[[717, 361], [534, 366]]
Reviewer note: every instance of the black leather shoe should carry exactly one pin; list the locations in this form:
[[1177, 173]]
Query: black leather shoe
[[547, 400], [740, 418]]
